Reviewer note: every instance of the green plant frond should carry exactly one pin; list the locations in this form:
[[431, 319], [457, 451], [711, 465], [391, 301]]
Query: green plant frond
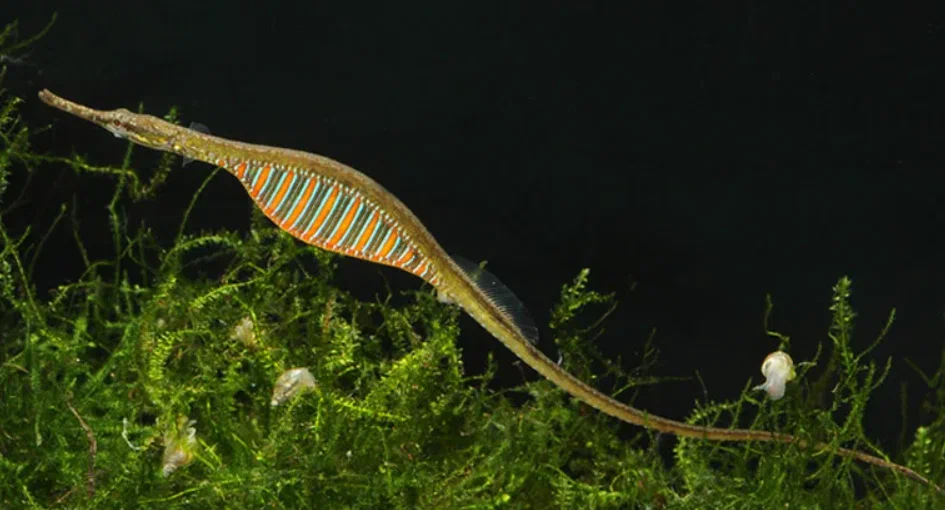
[[10, 46]]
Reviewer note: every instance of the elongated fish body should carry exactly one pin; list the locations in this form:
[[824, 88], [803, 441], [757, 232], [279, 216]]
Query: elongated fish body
[[328, 204]]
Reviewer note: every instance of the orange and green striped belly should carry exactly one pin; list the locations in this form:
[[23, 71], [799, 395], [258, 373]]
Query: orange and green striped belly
[[325, 213]]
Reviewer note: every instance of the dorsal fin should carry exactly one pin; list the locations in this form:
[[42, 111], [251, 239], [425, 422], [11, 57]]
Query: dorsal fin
[[501, 296], [200, 128]]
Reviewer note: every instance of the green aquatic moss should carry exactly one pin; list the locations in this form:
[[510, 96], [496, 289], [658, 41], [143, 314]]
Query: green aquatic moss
[[165, 355]]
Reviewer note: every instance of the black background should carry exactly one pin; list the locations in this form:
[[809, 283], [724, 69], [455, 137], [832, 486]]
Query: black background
[[710, 154]]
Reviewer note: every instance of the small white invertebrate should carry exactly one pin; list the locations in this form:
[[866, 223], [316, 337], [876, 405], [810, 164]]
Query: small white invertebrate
[[179, 445], [778, 369], [244, 331], [290, 383]]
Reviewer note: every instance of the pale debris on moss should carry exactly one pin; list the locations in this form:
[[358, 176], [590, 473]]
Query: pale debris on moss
[[180, 442], [291, 383]]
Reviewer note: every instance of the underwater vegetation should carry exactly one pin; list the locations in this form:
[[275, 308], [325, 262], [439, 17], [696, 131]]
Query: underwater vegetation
[[226, 369]]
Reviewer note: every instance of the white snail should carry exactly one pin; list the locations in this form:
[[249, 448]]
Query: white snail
[[778, 369]]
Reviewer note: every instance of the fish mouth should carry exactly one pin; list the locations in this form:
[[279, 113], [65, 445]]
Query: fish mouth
[[103, 118]]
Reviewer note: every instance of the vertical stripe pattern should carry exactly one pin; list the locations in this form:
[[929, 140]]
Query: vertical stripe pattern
[[325, 213]]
